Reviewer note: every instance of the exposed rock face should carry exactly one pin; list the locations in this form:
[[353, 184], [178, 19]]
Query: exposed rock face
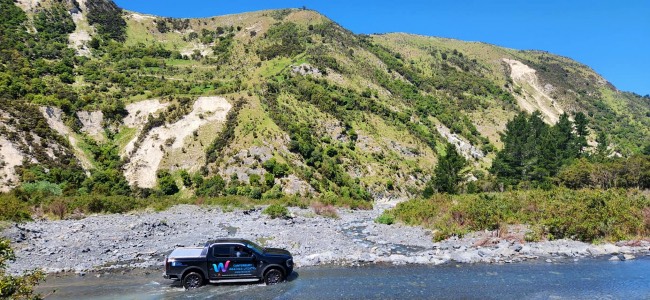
[[533, 95], [92, 124], [463, 146], [79, 39], [145, 159], [293, 185], [140, 111], [10, 158], [54, 115], [27, 5], [306, 69], [246, 163]]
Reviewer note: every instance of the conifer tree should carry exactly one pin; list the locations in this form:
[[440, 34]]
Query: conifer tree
[[448, 171], [535, 151]]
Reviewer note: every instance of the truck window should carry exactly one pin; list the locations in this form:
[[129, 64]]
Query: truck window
[[221, 251], [241, 251]]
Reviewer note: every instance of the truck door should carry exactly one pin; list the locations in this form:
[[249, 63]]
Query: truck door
[[219, 261], [243, 263], [231, 261]]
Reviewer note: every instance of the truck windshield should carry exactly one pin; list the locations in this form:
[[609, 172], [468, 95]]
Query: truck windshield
[[255, 247]]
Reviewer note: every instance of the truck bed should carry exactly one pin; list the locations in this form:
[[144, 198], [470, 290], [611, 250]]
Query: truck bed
[[187, 252]]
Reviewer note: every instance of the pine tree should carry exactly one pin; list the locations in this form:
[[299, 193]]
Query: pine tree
[[448, 171], [534, 151], [580, 121], [509, 163], [603, 144]]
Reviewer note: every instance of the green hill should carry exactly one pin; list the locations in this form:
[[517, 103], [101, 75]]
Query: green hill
[[267, 103]]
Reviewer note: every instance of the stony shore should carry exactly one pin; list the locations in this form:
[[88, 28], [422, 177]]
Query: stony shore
[[142, 239]]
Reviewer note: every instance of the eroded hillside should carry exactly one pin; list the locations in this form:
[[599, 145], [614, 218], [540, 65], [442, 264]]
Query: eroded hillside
[[274, 102]]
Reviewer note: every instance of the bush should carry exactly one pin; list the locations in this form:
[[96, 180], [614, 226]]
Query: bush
[[13, 209], [276, 211], [385, 218], [166, 183], [16, 287], [584, 215], [274, 193], [187, 179]]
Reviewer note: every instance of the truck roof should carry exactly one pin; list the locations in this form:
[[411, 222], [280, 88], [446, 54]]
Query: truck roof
[[228, 240]]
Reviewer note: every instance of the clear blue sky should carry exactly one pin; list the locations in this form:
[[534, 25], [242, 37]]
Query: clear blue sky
[[613, 37]]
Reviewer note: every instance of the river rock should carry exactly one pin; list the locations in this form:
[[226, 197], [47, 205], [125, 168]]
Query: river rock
[[610, 249], [615, 258], [367, 257], [593, 251], [397, 259], [628, 257], [464, 257], [421, 260]]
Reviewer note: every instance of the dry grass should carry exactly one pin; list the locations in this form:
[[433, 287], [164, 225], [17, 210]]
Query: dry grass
[[58, 208], [327, 211]]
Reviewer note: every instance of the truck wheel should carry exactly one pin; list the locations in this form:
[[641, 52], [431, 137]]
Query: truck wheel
[[192, 280], [273, 276]]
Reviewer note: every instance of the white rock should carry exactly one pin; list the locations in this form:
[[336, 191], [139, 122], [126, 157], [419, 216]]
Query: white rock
[[397, 259], [611, 249], [421, 260], [464, 257]]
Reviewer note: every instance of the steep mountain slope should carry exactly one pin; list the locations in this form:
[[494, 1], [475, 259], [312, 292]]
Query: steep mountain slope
[[275, 102]]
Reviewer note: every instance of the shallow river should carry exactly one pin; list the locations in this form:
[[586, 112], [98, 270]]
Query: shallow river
[[585, 279]]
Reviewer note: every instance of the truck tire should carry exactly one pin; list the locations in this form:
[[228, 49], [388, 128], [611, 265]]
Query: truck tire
[[192, 280], [273, 276]]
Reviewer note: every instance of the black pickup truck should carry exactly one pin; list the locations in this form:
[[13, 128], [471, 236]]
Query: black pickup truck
[[228, 260]]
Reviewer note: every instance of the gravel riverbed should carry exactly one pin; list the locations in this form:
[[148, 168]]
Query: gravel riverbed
[[143, 239]]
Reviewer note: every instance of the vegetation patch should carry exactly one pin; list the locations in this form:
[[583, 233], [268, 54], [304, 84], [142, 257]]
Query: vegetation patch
[[585, 215], [276, 211], [16, 287]]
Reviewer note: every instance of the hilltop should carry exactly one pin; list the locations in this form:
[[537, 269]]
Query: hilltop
[[97, 100]]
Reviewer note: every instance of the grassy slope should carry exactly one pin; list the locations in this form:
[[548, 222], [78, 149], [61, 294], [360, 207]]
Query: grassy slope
[[578, 87], [382, 151], [255, 128]]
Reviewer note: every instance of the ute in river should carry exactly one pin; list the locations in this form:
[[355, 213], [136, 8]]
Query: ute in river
[[228, 260]]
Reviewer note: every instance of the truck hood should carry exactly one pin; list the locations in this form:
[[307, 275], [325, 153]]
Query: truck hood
[[276, 251]]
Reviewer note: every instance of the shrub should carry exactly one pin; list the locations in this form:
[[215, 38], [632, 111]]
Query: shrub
[[16, 287], [385, 218], [273, 193], [37, 191], [187, 179], [167, 184], [13, 209], [585, 215], [276, 211]]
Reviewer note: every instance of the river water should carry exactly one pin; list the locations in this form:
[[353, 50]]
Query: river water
[[566, 279]]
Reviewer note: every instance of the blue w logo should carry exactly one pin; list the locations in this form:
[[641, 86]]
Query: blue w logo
[[221, 267]]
